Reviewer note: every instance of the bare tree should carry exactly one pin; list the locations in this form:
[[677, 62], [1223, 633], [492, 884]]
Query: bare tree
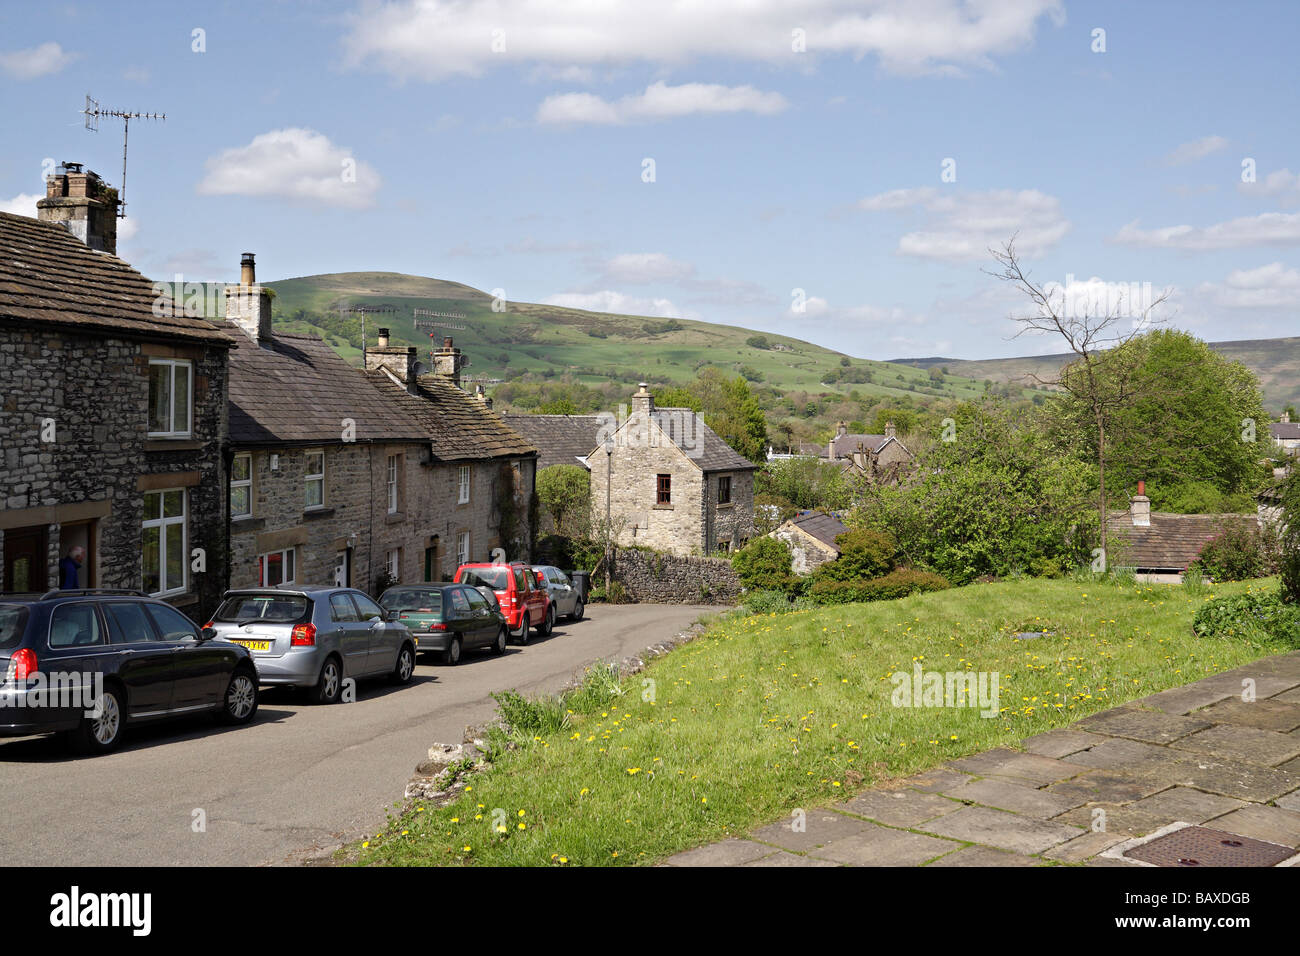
[[1101, 377]]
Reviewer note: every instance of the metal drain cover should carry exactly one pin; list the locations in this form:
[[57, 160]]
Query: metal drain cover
[[1202, 846]]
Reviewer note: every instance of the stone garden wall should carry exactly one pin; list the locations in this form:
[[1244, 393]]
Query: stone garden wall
[[655, 577]]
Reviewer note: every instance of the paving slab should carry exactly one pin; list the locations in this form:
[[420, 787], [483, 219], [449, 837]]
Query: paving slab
[[1289, 697], [1118, 819], [1183, 700], [1006, 795], [1266, 714], [1031, 768], [1233, 778], [1264, 747], [1107, 786], [881, 846], [785, 858], [818, 827], [1187, 805], [1148, 726], [1061, 742], [1272, 824], [936, 780], [984, 856], [1009, 831], [1116, 753], [1083, 847], [1289, 802], [727, 853], [1231, 682], [898, 808]]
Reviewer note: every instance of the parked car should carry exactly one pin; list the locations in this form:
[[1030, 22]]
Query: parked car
[[567, 598], [316, 637], [524, 600], [124, 659], [449, 618]]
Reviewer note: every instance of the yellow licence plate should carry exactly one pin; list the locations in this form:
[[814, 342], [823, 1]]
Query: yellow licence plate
[[254, 645]]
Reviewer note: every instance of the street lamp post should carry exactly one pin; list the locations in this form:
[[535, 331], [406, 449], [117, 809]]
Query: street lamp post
[[609, 468]]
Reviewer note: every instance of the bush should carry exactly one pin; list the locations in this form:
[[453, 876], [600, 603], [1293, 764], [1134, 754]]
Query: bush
[[1235, 554], [896, 584], [1250, 616], [764, 565], [864, 554], [1289, 560]]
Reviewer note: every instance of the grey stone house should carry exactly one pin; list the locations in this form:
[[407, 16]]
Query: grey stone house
[[878, 458], [113, 413], [337, 475], [811, 538], [671, 483], [1159, 545]]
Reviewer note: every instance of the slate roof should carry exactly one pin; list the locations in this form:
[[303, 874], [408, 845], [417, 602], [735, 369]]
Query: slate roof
[[701, 443], [1285, 430], [560, 439], [297, 390], [821, 526], [49, 277], [461, 427], [1170, 542], [844, 445]]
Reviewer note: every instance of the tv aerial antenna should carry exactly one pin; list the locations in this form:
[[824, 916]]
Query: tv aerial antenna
[[429, 319], [363, 311], [93, 111]]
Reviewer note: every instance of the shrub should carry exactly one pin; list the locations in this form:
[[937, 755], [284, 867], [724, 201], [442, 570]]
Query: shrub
[[764, 565], [864, 554], [766, 602], [1252, 615], [1235, 554], [896, 584], [1289, 561]]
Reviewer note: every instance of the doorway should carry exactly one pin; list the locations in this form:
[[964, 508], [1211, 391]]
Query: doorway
[[26, 560], [80, 535]]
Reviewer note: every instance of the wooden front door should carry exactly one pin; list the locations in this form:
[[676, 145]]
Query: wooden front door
[[25, 560]]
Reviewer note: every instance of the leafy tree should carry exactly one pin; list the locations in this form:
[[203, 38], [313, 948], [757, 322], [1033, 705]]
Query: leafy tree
[[758, 342], [1290, 524], [558, 406], [565, 492]]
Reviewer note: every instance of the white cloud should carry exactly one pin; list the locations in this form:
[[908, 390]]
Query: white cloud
[[643, 267], [297, 164], [1197, 149], [431, 39], [659, 101], [24, 204], [1281, 184], [1270, 228], [965, 225], [39, 61], [610, 301], [1268, 287]]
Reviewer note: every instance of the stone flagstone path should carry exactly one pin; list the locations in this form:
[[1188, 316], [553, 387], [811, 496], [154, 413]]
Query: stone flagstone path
[[1197, 754]]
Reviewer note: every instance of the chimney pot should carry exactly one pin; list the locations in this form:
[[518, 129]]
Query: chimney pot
[[83, 204], [382, 340], [248, 305], [247, 271], [1140, 508]]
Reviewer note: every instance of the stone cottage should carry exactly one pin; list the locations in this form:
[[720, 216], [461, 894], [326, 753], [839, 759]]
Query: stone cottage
[[113, 414], [879, 458], [811, 538], [669, 482]]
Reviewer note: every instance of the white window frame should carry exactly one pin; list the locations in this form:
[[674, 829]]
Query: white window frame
[[241, 483], [162, 524], [392, 484], [172, 364], [309, 477], [393, 563], [291, 554], [462, 548], [464, 475]]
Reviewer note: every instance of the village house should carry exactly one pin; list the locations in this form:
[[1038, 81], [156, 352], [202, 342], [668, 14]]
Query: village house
[[1158, 545], [877, 458], [670, 483], [810, 536], [113, 415], [1286, 434]]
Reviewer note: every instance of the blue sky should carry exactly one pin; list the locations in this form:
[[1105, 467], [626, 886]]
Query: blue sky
[[503, 145]]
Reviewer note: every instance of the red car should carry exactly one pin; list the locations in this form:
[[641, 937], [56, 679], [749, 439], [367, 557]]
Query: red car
[[524, 600]]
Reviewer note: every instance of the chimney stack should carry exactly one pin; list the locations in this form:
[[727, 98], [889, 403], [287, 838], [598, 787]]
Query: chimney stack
[[399, 361], [643, 403], [889, 429], [83, 204], [1286, 417], [447, 362], [1140, 507], [248, 305]]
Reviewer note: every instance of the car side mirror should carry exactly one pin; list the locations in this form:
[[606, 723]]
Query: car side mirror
[[207, 634]]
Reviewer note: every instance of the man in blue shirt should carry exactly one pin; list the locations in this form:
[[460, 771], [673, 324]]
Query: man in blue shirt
[[70, 567]]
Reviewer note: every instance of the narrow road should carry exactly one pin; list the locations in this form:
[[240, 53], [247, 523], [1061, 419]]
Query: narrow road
[[300, 777]]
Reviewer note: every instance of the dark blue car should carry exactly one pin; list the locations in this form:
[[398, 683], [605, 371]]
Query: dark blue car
[[85, 663]]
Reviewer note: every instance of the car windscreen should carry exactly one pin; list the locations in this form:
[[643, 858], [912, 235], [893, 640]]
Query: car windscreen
[[266, 608], [13, 621], [495, 578], [423, 600]]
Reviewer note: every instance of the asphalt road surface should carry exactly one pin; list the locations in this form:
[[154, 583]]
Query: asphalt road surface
[[300, 778]]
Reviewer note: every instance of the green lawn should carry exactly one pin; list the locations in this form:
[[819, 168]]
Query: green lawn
[[764, 714]]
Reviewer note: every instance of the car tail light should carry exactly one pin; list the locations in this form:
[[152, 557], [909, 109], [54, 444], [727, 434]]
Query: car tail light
[[22, 665], [304, 635], [437, 627]]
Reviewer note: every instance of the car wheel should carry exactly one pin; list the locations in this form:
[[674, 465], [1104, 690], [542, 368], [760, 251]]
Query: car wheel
[[99, 735], [404, 669], [499, 647], [548, 623], [330, 684], [578, 610], [239, 705], [451, 656], [522, 639]]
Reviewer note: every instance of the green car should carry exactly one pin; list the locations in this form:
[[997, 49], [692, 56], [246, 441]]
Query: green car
[[448, 619]]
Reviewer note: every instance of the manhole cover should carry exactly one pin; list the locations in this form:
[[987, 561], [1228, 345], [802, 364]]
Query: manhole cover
[[1202, 846]]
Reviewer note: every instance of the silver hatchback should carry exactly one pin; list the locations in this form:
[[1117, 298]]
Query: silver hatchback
[[315, 637], [567, 598]]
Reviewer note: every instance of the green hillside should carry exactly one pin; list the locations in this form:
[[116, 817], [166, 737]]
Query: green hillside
[[589, 347], [1275, 361]]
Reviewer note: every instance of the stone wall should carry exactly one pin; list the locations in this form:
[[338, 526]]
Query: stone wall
[[658, 578], [88, 484]]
